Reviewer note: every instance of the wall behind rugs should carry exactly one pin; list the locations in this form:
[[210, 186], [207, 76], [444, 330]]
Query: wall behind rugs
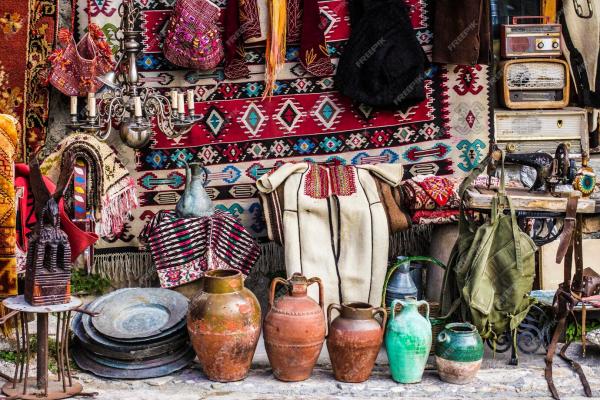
[[241, 136]]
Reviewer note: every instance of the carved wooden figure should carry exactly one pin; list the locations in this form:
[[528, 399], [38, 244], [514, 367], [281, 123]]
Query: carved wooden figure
[[48, 267]]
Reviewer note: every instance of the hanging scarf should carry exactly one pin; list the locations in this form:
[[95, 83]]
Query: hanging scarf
[[8, 263], [288, 21], [184, 248], [111, 191]]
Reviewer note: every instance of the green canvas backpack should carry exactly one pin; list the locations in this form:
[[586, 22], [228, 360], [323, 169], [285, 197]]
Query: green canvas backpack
[[491, 268]]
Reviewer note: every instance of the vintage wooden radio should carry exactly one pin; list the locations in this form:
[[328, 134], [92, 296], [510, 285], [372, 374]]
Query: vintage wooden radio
[[519, 40], [530, 131], [534, 83]]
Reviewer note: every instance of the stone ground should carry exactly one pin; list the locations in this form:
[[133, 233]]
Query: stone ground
[[496, 380]]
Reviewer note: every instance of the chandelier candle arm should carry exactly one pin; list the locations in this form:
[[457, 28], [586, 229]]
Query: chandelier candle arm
[[137, 103], [181, 104], [174, 99], [73, 105], [91, 105], [190, 99]]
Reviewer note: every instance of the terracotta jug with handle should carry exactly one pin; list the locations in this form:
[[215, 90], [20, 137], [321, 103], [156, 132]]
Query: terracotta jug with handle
[[294, 329]]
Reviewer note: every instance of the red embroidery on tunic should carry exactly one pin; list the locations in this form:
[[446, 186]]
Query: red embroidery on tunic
[[323, 181]]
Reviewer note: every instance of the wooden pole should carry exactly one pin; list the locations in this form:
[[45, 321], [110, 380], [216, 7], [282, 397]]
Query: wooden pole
[[42, 352]]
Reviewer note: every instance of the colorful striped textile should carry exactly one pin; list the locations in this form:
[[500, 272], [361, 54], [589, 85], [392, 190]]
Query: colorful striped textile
[[184, 248]]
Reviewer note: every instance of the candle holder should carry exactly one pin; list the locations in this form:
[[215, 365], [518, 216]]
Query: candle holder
[[117, 106]]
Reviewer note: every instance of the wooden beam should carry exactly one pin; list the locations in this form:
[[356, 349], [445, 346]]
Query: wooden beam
[[549, 9]]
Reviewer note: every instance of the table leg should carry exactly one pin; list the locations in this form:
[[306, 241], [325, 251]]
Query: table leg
[[42, 352]]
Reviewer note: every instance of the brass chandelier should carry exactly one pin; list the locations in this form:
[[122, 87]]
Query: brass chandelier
[[127, 105]]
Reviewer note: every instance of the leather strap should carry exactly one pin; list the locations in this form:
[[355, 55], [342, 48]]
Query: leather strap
[[567, 234]]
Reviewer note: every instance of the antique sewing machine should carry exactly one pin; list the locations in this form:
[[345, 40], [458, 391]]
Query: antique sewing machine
[[550, 171]]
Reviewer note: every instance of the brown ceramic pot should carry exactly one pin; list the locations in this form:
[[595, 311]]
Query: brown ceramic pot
[[354, 340], [224, 325], [294, 329]]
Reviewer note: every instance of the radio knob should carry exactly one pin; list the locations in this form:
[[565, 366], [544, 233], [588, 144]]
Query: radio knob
[[540, 45], [555, 44], [511, 147]]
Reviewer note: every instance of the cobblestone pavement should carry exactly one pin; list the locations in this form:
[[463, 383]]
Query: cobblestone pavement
[[496, 380]]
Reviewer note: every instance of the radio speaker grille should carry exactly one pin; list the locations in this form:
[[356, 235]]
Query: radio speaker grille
[[535, 75]]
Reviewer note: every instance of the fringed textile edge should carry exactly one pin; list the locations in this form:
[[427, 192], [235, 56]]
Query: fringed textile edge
[[411, 242], [126, 269]]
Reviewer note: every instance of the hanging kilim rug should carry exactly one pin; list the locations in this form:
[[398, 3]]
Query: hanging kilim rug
[[27, 29], [241, 136]]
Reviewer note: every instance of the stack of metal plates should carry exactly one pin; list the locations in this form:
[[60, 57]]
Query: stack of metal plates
[[138, 333]]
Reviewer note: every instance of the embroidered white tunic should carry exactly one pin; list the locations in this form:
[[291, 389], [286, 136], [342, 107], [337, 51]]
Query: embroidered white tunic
[[334, 225]]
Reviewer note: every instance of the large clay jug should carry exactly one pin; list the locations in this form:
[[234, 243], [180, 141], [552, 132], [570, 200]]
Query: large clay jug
[[194, 202], [294, 329], [458, 353], [354, 340], [408, 341], [224, 325]]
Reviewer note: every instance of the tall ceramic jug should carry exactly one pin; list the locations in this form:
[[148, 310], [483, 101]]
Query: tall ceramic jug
[[408, 341], [354, 340], [294, 329], [194, 202], [224, 325]]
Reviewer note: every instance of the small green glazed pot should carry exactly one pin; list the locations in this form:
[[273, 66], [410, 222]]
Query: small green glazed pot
[[408, 341], [458, 353]]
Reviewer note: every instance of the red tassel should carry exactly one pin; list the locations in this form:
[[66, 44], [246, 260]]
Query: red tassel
[[64, 35]]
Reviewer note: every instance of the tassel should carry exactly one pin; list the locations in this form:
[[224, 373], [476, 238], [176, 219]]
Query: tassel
[[276, 44]]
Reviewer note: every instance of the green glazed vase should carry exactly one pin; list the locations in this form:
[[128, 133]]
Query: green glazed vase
[[408, 341], [458, 353]]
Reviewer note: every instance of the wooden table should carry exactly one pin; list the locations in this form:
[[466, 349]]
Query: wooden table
[[523, 200], [43, 387]]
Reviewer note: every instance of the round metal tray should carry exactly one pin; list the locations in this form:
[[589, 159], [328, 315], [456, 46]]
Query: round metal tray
[[154, 362], [86, 363], [135, 313], [130, 351], [89, 329]]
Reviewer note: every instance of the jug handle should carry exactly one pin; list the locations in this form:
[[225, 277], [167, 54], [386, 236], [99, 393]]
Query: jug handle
[[427, 304], [318, 280], [274, 283], [383, 312], [395, 302], [331, 307]]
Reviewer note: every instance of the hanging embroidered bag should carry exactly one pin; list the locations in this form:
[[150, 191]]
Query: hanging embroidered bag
[[75, 67], [193, 39]]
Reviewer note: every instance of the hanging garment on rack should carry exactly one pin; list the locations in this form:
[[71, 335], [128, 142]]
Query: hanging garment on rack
[[580, 20], [286, 21], [383, 64], [334, 222], [461, 32]]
